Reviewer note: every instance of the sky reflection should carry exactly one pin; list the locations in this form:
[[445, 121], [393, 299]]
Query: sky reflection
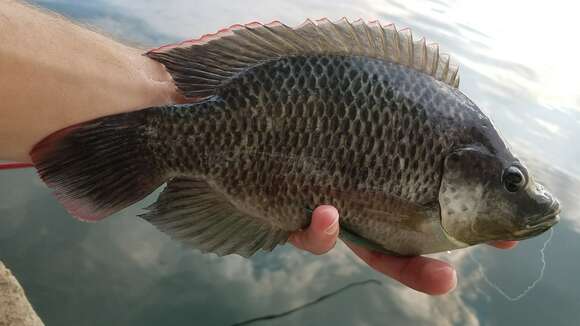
[[123, 271]]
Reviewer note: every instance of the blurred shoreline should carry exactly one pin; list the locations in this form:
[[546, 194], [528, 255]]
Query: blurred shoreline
[[15, 309]]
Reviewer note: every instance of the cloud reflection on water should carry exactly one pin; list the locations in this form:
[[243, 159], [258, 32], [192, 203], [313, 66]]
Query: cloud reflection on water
[[123, 271], [125, 262]]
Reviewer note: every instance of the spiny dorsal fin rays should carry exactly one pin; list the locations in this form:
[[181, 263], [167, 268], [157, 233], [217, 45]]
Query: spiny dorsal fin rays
[[407, 48], [433, 60], [200, 67]]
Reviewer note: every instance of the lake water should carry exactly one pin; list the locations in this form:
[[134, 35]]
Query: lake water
[[518, 62]]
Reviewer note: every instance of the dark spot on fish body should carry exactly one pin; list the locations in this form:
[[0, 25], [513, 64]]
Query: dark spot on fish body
[[299, 110], [348, 100], [331, 85], [311, 83], [352, 109], [363, 174], [378, 134], [341, 70], [283, 98], [344, 87], [261, 140], [355, 84], [345, 126], [380, 145], [277, 83], [347, 140], [370, 104], [372, 160], [313, 178], [402, 148], [428, 95], [401, 133], [413, 152], [364, 109], [307, 67], [365, 78], [357, 127], [248, 136], [361, 103], [322, 124], [252, 100], [318, 69], [283, 68], [309, 150], [360, 144], [334, 123], [290, 82], [352, 72], [341, 111], [368, 130], [351, 156], [329, 111], [311, 123], [406, 122], [259, 75], [336, 141], [243, 89]]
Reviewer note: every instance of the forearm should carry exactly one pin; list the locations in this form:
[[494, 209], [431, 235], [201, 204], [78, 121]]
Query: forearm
[[54, 73]]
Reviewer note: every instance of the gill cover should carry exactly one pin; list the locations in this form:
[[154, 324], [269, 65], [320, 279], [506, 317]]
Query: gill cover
[[471, 177]]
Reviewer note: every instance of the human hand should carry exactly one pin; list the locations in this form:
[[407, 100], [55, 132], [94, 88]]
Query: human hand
[[81, 75], [423, 274]]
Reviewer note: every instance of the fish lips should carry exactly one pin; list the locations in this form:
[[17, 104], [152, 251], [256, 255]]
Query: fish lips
[[541, 223]]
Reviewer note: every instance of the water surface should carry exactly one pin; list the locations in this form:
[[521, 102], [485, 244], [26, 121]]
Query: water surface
[[124, 272]]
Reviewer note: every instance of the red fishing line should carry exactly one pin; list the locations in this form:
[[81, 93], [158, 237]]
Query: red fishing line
[[15, 165]]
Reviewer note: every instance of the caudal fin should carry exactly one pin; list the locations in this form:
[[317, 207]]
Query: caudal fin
[[99, 167]]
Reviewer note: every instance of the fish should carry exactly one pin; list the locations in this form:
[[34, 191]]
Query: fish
[[278, 120]]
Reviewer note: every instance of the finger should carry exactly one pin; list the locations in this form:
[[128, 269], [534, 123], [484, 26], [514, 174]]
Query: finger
[[423, 274], [322, 233], [503, 244]]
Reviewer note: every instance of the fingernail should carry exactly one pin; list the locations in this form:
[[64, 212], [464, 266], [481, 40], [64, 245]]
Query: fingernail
[[441, 276], [443, 273], [454, 279], [333, 228]]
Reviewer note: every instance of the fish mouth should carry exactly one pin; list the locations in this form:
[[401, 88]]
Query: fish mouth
[[550, 217], [541, 223]]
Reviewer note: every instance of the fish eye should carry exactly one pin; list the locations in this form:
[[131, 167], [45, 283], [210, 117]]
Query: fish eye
[[513, 179]]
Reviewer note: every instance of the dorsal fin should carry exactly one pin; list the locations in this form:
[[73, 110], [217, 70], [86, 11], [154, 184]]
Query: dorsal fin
[[202, 65]]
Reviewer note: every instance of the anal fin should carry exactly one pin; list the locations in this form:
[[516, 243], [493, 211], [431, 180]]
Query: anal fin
[[190, 210]]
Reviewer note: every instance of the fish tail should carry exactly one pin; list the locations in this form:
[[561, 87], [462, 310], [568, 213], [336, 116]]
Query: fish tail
[[99, 167]]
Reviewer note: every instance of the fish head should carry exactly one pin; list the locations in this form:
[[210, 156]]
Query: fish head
[[485, 197]]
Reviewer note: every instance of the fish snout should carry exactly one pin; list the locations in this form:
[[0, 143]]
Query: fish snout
[[547, 206]]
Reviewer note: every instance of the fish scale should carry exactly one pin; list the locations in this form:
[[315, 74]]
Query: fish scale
[[295, 152], [280, 120]]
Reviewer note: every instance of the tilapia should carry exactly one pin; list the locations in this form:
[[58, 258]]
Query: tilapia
[[279, 120]]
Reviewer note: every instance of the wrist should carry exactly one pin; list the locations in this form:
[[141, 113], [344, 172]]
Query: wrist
[[148, 84]]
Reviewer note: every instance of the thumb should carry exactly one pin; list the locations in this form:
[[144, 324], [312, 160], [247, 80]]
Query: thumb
[[322, 233]]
